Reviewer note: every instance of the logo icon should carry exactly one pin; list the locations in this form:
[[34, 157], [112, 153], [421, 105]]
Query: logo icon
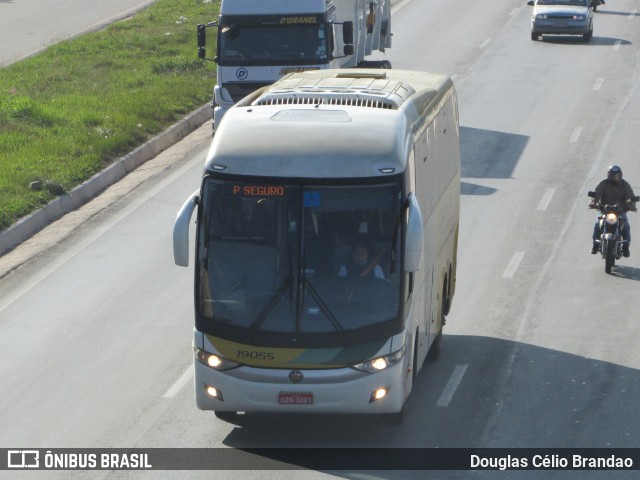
[[295, 376], [242, 73], [23, 459]]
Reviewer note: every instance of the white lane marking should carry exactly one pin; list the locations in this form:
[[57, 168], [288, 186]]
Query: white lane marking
[[616, 46], [575, 135], [632, 14], [598, 84], [486, 42], [452, 385], [513, 265], [544, 203], [514, 11], [181, 382]]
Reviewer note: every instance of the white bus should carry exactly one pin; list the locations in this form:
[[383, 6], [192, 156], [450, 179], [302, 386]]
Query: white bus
[[299, 176]]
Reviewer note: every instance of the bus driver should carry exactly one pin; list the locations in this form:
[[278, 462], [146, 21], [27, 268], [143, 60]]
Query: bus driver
[[360, 266]]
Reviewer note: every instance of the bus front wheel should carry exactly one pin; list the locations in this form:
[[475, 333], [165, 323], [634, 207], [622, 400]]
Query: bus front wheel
[[400, 416]]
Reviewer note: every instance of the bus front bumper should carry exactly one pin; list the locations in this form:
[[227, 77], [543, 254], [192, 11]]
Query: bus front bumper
[[270, 390]]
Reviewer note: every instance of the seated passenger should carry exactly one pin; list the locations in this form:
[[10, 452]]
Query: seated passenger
[[360, 265]]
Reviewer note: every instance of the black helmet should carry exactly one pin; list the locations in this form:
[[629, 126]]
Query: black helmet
[[614, 173]]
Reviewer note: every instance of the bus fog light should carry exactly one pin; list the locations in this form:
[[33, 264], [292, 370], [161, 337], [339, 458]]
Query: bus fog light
[[214, 392], [379, 394]]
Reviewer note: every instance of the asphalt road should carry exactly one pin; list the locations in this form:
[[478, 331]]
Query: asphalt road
[[27, 27], [540, 348]]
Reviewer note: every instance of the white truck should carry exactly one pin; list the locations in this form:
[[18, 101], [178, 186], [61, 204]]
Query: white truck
[[260, 41]]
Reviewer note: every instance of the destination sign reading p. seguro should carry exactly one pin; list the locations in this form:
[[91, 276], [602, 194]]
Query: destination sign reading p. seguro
[[255, 190]]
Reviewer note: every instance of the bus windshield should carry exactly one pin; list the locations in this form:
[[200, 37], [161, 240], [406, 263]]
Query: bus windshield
[[315, 264], [272, 44]]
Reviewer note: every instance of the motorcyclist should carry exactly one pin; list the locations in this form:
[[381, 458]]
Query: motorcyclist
[[614, 189]]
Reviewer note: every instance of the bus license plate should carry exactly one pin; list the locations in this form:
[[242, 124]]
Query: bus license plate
[[290, 398]]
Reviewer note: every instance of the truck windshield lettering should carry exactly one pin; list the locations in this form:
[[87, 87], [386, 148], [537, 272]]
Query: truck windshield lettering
[[290, 20]]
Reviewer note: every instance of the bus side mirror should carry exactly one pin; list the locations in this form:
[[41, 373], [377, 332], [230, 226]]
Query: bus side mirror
[[348, 49], [414, 238], [181, 231]]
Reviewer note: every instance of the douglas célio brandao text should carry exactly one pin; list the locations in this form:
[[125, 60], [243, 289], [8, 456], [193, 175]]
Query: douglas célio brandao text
[[548, 461]]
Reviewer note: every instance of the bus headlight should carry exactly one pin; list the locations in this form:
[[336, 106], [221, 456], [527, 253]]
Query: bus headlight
[[380, 363], [214, 361]]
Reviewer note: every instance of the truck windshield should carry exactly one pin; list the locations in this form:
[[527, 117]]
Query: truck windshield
[[317, 265], [272, 44]]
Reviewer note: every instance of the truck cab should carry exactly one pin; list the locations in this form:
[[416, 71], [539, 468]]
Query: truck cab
[[258, 43]]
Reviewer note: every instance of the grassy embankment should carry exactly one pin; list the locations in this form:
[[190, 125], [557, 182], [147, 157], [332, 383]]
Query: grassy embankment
[[76, 107]]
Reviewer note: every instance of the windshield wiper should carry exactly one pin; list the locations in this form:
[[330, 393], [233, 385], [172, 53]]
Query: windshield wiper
[[269, 306], [326, 310]]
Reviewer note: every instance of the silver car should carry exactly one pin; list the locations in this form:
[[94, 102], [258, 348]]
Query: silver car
[[562, 17]]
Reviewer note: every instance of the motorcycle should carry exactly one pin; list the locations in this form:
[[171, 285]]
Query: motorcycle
[[611, 220], [595, 3]]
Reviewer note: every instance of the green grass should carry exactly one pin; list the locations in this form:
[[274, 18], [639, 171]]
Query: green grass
[[70, 111]]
